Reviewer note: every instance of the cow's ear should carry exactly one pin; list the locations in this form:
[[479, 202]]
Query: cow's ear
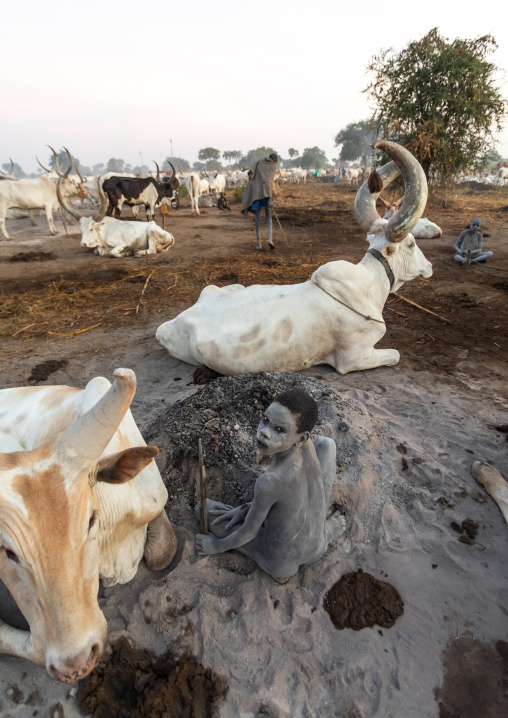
[[126, 465], [389, 250]]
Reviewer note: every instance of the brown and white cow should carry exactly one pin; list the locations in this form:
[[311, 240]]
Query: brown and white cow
[[80, 498]]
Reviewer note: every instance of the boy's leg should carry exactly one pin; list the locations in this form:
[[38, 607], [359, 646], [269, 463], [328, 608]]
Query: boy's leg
[[268, 215], [257, 216]]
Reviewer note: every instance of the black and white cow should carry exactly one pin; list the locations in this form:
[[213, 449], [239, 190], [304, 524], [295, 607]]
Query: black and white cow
[[134, 191]]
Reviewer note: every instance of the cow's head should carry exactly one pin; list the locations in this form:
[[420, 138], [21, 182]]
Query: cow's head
[[50, 535], [393, 237], [90, 226], [70, 188]]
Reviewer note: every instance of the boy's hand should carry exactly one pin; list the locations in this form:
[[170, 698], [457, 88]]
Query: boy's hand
[[232, 516]]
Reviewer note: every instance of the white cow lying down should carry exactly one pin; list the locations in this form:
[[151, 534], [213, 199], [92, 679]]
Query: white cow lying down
[[423, 229], [117, 238], [80, 498], [335, 318]]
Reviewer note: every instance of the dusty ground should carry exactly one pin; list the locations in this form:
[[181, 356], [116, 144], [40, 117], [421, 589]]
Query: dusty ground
[[441, 402]]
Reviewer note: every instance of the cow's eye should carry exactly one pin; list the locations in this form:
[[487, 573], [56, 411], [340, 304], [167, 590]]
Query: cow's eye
[[92, 521], [11, 555]]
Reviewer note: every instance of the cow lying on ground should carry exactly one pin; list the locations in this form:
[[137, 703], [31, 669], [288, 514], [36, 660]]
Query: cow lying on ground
[[116, 238], [423, 229], [335, 318], [80, 498]]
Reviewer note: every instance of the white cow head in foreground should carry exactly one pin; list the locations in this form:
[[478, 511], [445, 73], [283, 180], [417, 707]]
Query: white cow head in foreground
[[69, 513], [335, 318]]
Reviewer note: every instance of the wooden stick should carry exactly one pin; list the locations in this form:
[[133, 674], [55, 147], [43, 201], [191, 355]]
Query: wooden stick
[[468, 260], [23, 329], [414, 304], [280, 226], [143, 290], [73, 334], [202, 491]]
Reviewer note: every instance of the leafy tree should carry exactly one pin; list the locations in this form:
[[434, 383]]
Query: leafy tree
[[98, 169], [232, 155], [208, 154], [115, 165], [313, 157], [292, 152], [440, 99], [16, 172], [178, 162], [198, 166], [141, 170], [253, 156], [63, 161], [355, 140]]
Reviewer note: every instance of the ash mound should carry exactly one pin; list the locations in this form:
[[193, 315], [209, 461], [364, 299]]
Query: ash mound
[[225, 414]]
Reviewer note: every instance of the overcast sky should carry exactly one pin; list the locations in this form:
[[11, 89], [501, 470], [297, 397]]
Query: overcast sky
[[110, 79]]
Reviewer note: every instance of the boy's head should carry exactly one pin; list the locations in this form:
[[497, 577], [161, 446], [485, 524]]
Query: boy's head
[[302, 405], [287, 422], [273, 157]]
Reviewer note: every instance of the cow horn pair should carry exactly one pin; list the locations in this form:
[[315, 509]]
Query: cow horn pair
[[415, 198], [89, 435], [158, 171]]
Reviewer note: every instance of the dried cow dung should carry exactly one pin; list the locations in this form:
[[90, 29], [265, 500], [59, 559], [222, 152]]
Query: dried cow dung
[[135, 682], [359, 601], [41, 372]]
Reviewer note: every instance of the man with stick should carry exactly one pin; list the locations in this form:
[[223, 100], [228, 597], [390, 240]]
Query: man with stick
[[469, 245], [258, 195], [285, 526]]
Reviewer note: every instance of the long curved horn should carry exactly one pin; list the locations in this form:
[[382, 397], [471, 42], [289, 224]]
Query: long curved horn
[[104, 202], [172, 169], [44, 168], [64, 203], [81, 179], [12, 166], [68, 170], [158, 171], [58, 169], [91, 433], [365, 202], [415, 197]]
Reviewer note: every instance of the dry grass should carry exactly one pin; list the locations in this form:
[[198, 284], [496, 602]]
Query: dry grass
[[68, 307]]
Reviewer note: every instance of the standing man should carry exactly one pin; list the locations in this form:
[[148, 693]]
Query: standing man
[[258, 195]]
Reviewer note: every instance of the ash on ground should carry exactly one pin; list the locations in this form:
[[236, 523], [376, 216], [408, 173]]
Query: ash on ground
[[225, 414]]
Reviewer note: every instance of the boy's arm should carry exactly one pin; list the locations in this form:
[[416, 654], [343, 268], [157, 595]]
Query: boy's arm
[[480, 240], [458, 244], [264, 498]]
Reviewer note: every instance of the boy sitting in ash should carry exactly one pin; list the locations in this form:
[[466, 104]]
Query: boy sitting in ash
[[285, 525], [471, 239]]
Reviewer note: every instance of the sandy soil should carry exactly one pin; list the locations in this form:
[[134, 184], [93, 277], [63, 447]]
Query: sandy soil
[[404, 476]]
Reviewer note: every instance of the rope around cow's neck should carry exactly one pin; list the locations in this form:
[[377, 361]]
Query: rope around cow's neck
[[365, 316]]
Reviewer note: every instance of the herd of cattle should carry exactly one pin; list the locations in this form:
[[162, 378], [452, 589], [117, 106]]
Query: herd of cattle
[[109, 236]]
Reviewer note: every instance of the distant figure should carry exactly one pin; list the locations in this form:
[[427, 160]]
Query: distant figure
[[258, 195], [471, 239], [285, 526]]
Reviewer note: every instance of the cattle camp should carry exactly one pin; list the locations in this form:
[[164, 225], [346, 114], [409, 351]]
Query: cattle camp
[[254, 401]]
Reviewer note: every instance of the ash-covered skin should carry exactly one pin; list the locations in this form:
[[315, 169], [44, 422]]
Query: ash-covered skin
[[471, 239], [285, 525]]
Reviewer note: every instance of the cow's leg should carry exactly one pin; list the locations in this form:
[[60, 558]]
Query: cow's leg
[[49, 216], [344, 362], [32, 218], [19, 643], [494, 484], [3, 212], [161, 543], [123, 250]]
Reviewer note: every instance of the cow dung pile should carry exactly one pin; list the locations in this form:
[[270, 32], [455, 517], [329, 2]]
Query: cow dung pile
[[225, 414], [135, 683], [359, 600]]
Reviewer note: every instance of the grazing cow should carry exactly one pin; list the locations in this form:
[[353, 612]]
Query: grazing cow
[[423, 229], [80, 498], [40, 193], [218, 184], [503, 175], [116, 238], [139, 190], [192, 182], [334, 318]]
